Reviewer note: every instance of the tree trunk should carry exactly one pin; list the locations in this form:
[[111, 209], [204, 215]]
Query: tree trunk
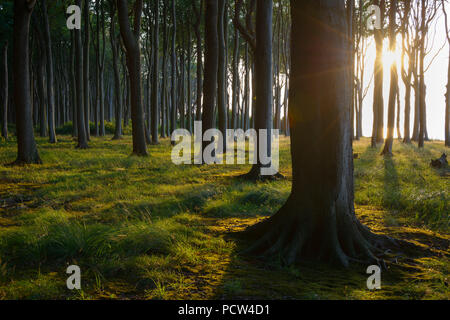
[[263, 84], [82, 135], [4, 93], [115, 61], [198, 115], [447, 108], [131, 42], [378, 104], [27, 152], [235, 97], [211, 66], [50, 76], [387, 150], [173, 114], [155, 78], [221, 74], [318, 220], [86, 68]]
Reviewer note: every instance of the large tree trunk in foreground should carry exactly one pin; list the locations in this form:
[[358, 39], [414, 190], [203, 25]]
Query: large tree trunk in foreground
[[318, 220], [4, 94], [26, 145], [131, 41]]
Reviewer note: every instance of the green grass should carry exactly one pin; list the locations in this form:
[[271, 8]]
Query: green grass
[[144, 228]]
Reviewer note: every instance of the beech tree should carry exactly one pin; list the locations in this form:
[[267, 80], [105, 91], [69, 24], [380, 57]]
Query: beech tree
[[4, 92], [131, 41], [393, 90], [318, 220], [27, 152]]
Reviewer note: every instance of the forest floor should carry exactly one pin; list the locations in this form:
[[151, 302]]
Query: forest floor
[[143, 228]]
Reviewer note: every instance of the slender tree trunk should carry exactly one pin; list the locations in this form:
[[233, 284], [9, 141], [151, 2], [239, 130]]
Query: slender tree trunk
[[378, 104], [81, 120], [50, 76], [387, 150], [263, 84], [86, 68], [4, 93], [198, 36], [27, 152], [221, 86], [155, 78], [173, 114], [447, 107], [115, 61], [131, 42], [211, 66], [235, 98]]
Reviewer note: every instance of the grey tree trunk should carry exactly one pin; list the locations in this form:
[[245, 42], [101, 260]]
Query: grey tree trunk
[[173, 113], [155, 78], [318, 220], [221, 74], [387, 150], [50, 76], [82, 135], [115, 61], [86, 68], [27, 152], [211, 66], [131, 42], [4, 93]]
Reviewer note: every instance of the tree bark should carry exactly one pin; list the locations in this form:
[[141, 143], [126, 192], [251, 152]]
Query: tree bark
[[378, 104], [211, 66], [4, 93], [155, 78], [221, 74], [387, 150], [318, 220], [82, 135], [50, 76], [131, 42], [27, 152]]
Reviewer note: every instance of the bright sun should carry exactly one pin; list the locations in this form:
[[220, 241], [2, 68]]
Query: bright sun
[[389, 57]]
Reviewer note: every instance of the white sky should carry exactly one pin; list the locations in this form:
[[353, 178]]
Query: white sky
[[435, 80]]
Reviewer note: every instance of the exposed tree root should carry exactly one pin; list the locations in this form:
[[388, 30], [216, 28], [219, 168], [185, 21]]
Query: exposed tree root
[[255, 175], [294, 234]]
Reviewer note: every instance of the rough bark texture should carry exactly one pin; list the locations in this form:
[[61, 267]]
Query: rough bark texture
[[27, 152], [131, 42], [318, 220]]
